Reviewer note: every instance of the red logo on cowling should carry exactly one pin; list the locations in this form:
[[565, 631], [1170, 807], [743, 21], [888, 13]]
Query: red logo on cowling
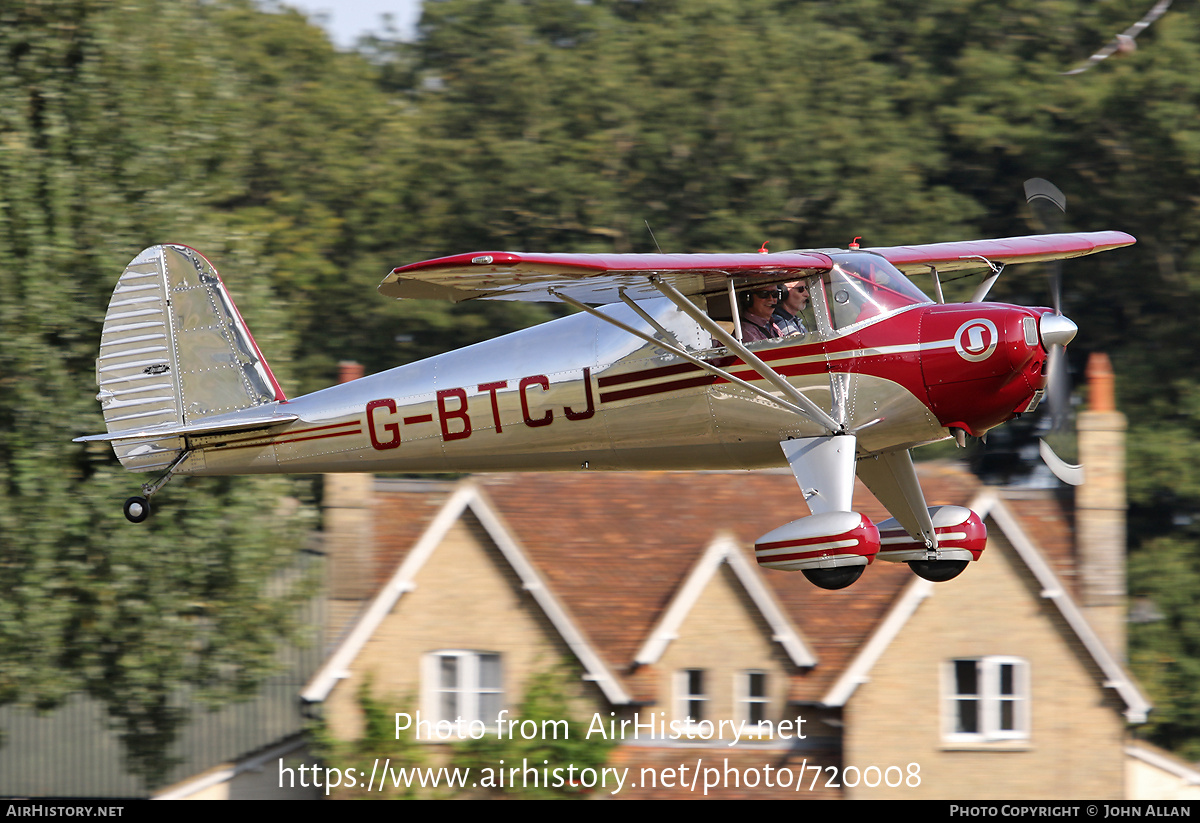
[[976, 339]]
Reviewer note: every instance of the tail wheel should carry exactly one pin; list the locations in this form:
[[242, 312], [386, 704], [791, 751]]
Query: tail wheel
[[938, 571], [137, 509], [838, 578]]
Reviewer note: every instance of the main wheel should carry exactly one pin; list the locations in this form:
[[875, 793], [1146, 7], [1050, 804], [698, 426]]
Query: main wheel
[[137, 509], [838, 578], [938, 571]]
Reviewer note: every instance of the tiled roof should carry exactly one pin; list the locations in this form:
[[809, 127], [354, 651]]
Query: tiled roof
[[403, 510], [615, 549], [1048, 517]]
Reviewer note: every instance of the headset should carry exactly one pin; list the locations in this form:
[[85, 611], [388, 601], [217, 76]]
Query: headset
[[744, 297]]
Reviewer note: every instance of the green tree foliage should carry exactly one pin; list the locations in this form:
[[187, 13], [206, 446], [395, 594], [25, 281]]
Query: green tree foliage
[[721, 124], [1165, 638], [333, 191], [378, 745], [110, 134]]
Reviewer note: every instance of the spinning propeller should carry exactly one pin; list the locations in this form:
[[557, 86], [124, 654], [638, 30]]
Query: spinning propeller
[[1049, 205]]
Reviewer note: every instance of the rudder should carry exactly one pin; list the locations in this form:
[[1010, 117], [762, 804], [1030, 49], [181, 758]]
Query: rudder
[[174, 350]]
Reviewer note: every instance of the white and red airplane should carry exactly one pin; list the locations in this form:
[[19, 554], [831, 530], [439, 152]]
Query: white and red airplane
[[658, 377]]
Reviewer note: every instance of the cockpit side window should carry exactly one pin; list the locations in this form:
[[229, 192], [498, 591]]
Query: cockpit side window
[[761, 319], [862, 286]]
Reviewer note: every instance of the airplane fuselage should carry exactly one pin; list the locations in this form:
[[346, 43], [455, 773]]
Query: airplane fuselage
[[579, 393]]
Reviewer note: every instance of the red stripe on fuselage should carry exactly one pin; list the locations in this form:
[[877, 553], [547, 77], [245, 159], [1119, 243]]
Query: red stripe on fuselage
[[289, 437], [658, 388], [856, 352], [645, 374], [293, 432]]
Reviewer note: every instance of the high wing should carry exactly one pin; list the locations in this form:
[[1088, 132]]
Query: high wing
[[601, 278], [589, 278], [969, 254]]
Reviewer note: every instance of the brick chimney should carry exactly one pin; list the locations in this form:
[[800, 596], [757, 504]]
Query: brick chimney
[[1100, 508], [348, 535]]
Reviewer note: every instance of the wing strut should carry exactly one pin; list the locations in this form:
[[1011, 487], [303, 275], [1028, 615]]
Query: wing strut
[[811, 410], [892, 478], [631, 303], [982, 291], [937, 284], [733, 310], [704, 364]]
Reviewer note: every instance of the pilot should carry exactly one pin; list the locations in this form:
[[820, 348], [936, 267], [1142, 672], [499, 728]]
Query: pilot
[[787, 312], [757, 322]]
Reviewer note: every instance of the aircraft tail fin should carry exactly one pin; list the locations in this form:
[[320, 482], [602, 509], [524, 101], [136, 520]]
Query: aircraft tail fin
[[173, 352]]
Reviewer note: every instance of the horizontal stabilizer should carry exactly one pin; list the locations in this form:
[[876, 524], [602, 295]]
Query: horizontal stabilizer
[[210, 426]]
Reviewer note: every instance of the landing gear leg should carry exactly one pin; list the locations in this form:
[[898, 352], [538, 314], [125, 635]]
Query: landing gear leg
[[137, 509], [833, 545]]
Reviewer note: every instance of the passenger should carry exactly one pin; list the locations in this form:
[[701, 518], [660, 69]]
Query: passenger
[[787, 313], [757, 323]]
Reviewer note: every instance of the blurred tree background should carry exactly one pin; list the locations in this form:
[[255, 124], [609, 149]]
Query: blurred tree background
[[306, 173]]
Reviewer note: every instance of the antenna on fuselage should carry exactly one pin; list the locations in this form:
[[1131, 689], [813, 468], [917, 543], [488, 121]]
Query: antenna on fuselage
[[652, 237]]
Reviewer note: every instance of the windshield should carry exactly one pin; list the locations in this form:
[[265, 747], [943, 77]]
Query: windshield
[[863, 285]]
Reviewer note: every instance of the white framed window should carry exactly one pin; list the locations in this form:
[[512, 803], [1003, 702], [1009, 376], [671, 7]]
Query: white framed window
[[753, 700], [691, 698], [987, 699], [462, 687]]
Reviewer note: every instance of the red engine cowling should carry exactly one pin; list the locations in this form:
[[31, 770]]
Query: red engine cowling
[[993, 368]]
